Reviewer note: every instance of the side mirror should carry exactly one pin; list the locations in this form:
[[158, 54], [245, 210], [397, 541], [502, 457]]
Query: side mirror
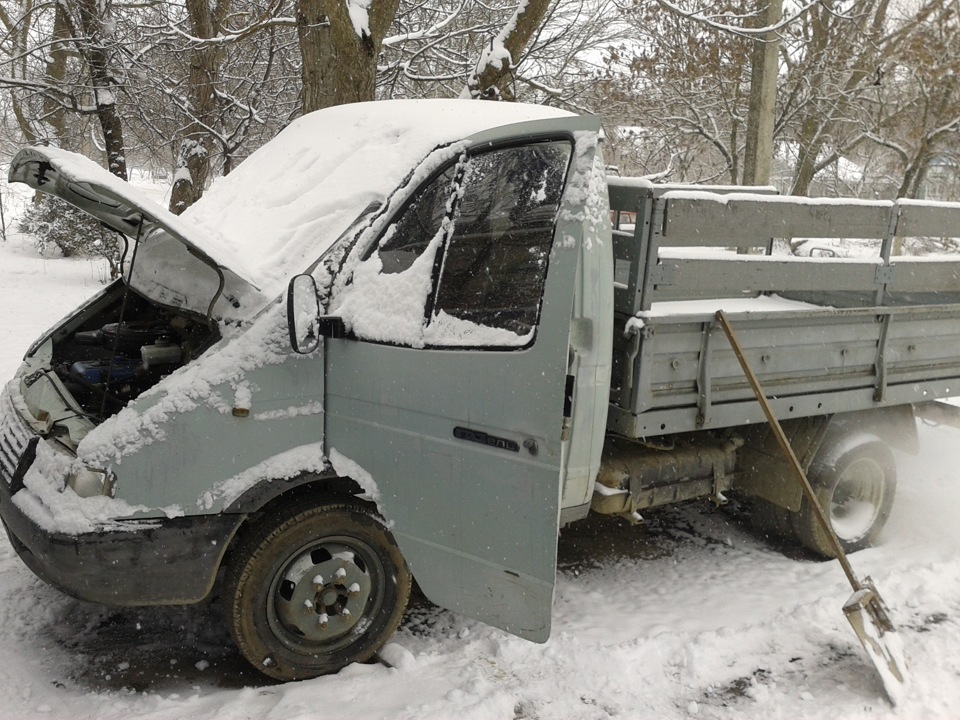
[[303, 314]]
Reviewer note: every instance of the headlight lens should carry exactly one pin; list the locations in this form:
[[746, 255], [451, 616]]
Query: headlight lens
[[89, 482]]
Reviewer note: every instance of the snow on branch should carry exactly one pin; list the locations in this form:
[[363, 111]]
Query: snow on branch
[[359, 11], [432, 31], [701, 16]]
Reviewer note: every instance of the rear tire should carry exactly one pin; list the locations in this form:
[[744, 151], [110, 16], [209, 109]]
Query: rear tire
[[309, 591], [855, 480]]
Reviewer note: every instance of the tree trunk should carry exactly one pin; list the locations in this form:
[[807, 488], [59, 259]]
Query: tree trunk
[[193, 156], [56, 72], [313, 35], [97, 55], [339, 52], [491, 77], [809, 145]]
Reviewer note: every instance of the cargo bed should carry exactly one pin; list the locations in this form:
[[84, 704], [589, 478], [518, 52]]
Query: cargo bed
[[825, 334]]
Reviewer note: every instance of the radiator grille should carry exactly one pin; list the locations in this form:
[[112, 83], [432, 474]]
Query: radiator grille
[[14, 436]]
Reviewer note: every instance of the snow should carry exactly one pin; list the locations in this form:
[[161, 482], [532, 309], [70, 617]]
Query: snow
[[317, 176], [687, 615], [288, 464], [388, 307], [587, 187], [345, 467], [761, 303], [359, 11]]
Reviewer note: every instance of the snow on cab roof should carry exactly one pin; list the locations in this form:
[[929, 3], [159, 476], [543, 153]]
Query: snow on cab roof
[[284, 205]]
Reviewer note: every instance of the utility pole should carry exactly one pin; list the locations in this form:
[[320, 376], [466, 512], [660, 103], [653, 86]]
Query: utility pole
[[758, 154]]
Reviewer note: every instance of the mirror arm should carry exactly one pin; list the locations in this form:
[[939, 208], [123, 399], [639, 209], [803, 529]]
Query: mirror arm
[[332, 327]]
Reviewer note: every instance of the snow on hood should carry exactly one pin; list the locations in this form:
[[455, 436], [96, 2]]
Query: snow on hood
[[283, 207]]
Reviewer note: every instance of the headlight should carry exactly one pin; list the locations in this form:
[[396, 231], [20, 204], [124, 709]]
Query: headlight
[[88, 482]]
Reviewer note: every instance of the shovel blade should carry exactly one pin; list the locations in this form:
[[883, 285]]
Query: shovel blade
[[868, 616]]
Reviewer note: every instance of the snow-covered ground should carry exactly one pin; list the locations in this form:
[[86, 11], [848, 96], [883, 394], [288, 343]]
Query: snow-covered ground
[[689, 615]]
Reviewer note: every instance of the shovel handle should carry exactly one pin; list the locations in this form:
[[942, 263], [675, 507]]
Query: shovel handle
[[798, 472]]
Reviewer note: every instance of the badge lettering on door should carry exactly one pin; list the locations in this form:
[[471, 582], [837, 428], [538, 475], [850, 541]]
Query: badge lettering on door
[[478, 436]]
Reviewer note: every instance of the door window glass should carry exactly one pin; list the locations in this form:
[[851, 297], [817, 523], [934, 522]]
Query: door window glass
[[465, 262], [494, 265], [406, 239]]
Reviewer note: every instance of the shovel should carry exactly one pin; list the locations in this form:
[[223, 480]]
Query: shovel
[[865, 609]]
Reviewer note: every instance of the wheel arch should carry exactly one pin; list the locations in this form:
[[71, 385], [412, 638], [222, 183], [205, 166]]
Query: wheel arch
[[267, 492], [763, 471], [896, 426], [304, 489]]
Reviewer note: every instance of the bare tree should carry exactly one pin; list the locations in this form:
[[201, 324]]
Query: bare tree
[[679, 91], [193, 158], [63, 60], [98, 51]]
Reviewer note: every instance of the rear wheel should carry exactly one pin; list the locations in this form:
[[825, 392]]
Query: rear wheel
[[855, 481], [310, 591]]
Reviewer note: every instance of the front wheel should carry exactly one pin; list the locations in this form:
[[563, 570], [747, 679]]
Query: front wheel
[[312, 590], [855, 480]]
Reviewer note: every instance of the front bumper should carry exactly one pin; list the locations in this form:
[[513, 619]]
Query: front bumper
[[160, 561], [156, 562]]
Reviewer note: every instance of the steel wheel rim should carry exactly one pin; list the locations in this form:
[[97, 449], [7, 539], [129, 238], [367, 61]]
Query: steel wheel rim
[[857, 499], [325, 594]]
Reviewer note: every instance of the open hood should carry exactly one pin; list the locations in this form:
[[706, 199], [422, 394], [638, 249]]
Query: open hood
[[117, 204]]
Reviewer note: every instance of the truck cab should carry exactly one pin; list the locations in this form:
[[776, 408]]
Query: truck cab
[[166, 432]]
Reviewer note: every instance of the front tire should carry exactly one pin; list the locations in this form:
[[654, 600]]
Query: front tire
[[309, 591], [855, 480]]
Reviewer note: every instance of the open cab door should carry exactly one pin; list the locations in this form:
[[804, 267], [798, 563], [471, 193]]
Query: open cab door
[[449, 391]]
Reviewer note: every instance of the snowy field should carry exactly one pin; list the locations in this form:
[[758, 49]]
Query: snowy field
[[689, 615]]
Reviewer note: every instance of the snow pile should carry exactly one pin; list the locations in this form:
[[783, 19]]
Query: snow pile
[[288, 202], [587, 188], [55, 507]]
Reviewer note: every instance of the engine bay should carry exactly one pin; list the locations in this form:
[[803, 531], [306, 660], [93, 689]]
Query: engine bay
[[121, 346]]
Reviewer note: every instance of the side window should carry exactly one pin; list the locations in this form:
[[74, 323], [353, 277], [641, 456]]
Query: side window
[[406, 240], [495, 264]]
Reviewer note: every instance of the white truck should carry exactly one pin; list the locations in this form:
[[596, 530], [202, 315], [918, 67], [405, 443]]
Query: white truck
[[404, 341]]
